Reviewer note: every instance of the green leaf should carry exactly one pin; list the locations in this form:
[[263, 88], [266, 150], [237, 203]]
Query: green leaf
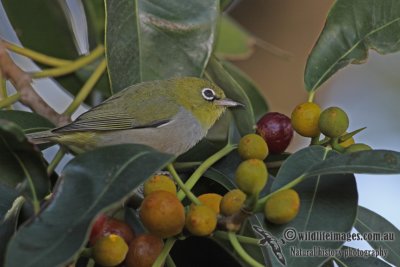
[[244, 116], [370, 222], [28, 121], [369, 162], [221, 178], [317, 160], [152, 40], [298, 163], [358, 261], [90, 183], [7, 197], [42, 26], [233, 41], [21, 165], [352, 27], [54, 38], [257, 100], [8, 226], [329, 263], [328, 204], [95, 14]]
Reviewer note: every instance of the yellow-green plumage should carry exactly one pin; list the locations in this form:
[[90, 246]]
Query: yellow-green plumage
[[168, 115]]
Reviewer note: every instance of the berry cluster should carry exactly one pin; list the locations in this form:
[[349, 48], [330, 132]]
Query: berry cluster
[[333, 122]]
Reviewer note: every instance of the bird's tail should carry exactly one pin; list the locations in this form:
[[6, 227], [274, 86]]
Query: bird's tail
[[40, 137]]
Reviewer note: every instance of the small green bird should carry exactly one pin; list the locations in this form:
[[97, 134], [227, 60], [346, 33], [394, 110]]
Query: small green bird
[[168, 115]]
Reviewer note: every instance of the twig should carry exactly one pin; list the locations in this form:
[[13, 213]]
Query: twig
[[194, 178], [86, 88], [22, 83], [72, 67], [36, 56], [56, 160], [3, 92], [165, 252], [186, 191], [242, 253]]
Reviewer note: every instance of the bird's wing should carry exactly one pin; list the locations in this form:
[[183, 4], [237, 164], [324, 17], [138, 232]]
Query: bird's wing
[[130, 109]]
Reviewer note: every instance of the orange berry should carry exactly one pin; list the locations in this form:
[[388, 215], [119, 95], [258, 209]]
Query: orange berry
[[162, 214]]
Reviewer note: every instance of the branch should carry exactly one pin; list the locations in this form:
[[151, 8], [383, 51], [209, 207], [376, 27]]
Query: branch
[[22, 83]]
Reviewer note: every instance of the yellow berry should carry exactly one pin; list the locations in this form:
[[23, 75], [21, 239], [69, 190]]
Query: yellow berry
[[159, 182], [201, 220], [305, 119], [282, 207], [211, 200], [110, 250], [333, 122], [252, 146], [232, 202], [251, 176], [162, 214], [347, 142]]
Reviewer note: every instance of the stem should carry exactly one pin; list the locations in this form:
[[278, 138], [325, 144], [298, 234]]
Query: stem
[[170, 262], [3, 89], [75, 65], [336, 146], [242, 253], [186, 165], [311, 96], [194, 178], [315, 140], [261, 202], [236, 221], [36, 56], [164, 253], [240, 238], [183, 187], [86, 88], [251, 202], [6, 102], [56, 160]]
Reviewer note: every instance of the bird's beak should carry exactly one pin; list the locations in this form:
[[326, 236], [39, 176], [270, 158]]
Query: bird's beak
[[226, 102]]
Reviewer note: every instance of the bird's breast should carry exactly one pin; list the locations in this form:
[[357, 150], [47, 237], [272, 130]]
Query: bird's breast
[[176, 136]]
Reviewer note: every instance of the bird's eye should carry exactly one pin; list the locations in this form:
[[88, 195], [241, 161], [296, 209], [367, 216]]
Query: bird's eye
[[208, 94]]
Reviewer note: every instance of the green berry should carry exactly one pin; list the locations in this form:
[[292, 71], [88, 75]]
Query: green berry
[[251, 176], [253, 146], [333, 122], [357, 147]]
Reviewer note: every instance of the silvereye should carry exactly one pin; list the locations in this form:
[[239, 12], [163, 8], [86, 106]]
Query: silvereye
[[168, 115]]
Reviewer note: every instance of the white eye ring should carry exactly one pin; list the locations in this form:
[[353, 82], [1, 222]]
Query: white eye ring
[[208, 94]]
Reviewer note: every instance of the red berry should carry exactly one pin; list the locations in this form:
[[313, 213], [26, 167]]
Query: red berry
[[97, 228], [276, 130], [105, 225]]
